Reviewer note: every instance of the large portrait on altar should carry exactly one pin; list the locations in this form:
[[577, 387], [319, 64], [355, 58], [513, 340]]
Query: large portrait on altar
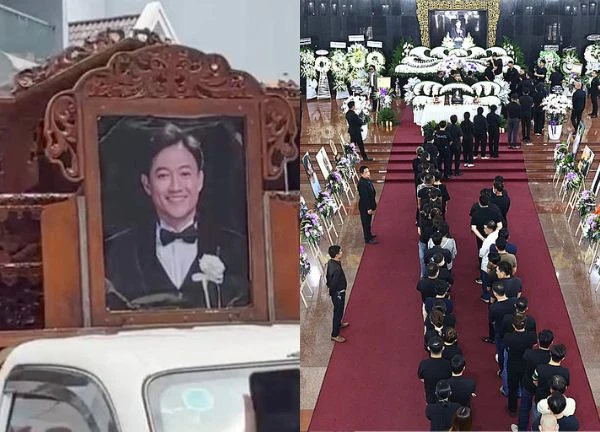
[[174, 212], [457, 25]]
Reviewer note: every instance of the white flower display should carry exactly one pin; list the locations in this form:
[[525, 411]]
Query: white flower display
[[468, 42], [361, 105], [406, 48], [591, 56], [555, 106], [376, 59], [307, 64], [552, 60], [448, 42], [357, 56], [322, 64], [340, 68]]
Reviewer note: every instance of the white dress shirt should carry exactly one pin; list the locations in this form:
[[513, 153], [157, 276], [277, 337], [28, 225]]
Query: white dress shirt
[[176, 257], [485, 249]]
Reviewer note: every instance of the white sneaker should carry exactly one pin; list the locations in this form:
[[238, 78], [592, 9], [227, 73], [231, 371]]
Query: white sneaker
[[514, 428], [466, 165]]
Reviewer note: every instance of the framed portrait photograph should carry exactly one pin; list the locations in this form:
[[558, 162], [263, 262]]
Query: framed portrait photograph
[[312, 175], [174, 212]]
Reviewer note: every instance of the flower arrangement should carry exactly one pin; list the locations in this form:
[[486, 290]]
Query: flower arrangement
[[552, 60], [573, 180], [325, 205], [468, 43], [387, 117], [555, 106], [307, 64], [340, 68], [592, 56], [408, 89], [311, 229], [448, 42], [385, 98], [322, 64], [591, 227], [586, 203], [304, 264], [344, 166], [357, 56], [401, 51], [514, 51], [561, 151], [351, 153], [334, 182], [568, 60], [376, 59], [361, 107], [303, 209]]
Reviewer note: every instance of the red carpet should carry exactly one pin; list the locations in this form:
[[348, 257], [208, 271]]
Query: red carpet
[[371, 382]]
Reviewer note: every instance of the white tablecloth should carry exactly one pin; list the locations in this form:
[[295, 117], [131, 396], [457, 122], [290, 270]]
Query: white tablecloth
[[439, 112]]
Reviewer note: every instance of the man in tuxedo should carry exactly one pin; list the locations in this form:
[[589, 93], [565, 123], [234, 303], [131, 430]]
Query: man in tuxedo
[[366, 203], [372, 86], [354, 129], [578, 105], [177, 259]]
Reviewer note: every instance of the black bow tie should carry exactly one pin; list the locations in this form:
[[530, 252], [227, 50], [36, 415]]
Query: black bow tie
[[188, 235]]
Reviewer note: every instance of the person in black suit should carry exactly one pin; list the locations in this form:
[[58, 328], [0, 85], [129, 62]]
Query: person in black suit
[[177, 259], [480, 128], [512, 76], [455, 133], [354, 129], [497, 64], [337, 284], [366, 203], [594, 88], [493, 121], [578, 105], [540, 71], [526, 102]]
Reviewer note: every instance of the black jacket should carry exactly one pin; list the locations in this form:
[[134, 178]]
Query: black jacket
[[480, 125], [335, 277], [366, 194], [493, 121], [467, 129], [354, 124], [578, 100], [454, 132], [526, 103], [133, 269]]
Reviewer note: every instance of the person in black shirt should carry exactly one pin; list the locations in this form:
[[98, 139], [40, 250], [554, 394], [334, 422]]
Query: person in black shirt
[[428, 217], [501, 200], [444, 273], [481, 216], [594, 88], [466, 127], [533, 358], [430, 148], [542, 375], [526, 83], [451, 347], [526, 102], [488, 74], [557, 404], [417, 163], [427, 285], [556, 78], [512, 76], [500, 307], [437, 248], [366, 203], [512, 285], [578, 105], [480, 128], [454, 132], [538, 111], [354, 129], [497, 64], [441, 293], [516, 344], [437, 182], [433, 369], [513, 113], [493, 121], [521, 308], [463, 388], [442, 411], [540, 71], [442, 142], [336, 282]]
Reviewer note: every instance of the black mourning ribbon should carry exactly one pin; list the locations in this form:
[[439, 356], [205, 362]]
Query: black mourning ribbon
[[188, 235]]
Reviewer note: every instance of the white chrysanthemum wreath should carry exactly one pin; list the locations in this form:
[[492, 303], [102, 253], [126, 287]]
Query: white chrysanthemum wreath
[[376, 59], [357, 56], [322, 64]]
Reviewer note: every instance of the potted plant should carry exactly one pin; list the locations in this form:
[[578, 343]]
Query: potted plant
[[555, 107], [502, 124]]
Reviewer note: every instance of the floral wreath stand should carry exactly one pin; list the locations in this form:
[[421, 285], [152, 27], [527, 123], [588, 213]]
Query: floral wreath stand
[[323, 88], [325, 170], [315, 250], [305, 285], [354, 174], [328, 223]]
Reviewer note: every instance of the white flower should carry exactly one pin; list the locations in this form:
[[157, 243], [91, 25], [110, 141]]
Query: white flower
[[307, 64], [376, 59], [212, 267], [357, 56], [322, 64]]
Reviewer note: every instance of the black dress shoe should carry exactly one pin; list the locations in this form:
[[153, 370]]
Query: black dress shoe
[[368, 159], [458, 174], [372, 241]]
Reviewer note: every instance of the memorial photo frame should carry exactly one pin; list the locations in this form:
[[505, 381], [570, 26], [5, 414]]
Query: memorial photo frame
[[313, 179], [577, 138], [199, 95]]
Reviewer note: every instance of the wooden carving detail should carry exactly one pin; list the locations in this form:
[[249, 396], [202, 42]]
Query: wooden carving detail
[[168, 71], [279, 130], [28, 78], [61, 135]]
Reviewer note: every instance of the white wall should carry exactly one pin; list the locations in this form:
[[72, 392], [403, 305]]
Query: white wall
[[257, 36]]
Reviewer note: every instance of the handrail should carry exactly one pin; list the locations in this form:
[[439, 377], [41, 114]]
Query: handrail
[[24, 15]]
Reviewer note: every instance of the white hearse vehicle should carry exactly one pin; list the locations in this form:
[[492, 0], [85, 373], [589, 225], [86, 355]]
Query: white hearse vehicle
[[232, 378]]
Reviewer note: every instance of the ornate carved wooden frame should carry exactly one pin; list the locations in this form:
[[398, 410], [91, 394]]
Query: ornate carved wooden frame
[[170, 80], [491, 6]]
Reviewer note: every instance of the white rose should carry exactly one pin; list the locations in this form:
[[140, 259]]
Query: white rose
[[212, 267]]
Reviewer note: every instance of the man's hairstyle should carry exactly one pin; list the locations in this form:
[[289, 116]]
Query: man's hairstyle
[[501, 243], [442, 390], [436, 238], [525, 91], [453, 119], [428, 178], [432, 269], [441, 289], [558, 383], [362, 169], [510, 62], [350, 104], [467, 115], [545, 338], [480, 110], [438, 258], [494, 258], [499, 289], [514, 96], [543, 61], [484, 200], [521, 304], [499, 178], [558, 352], [449, 335], [491, 225], [505, 267], [168, 136], [457, 363], [503, 233], [442, 124], [440, 306], [499, 185], [435, 344], [334, 250], [557, 402], [493, 108], [518, 322]]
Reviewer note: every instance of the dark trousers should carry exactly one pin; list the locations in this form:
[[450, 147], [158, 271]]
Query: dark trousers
[[513, 130], [494, 142], [365, 220], [467, 146], [480, 142], [447, 157], [514, 378], [594, 104], [455, 150], [500, 350], [576, 118], [524, 408], [538, 120], [357, 139], [526, 126], [338, 299]]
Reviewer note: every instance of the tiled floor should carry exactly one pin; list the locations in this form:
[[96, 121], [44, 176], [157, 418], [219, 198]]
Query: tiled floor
[[583, 303]]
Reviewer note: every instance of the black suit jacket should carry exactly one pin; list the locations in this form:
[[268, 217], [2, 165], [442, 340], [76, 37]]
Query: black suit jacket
[[133, 269], [366, 193], [354, 124], [579, 100]]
